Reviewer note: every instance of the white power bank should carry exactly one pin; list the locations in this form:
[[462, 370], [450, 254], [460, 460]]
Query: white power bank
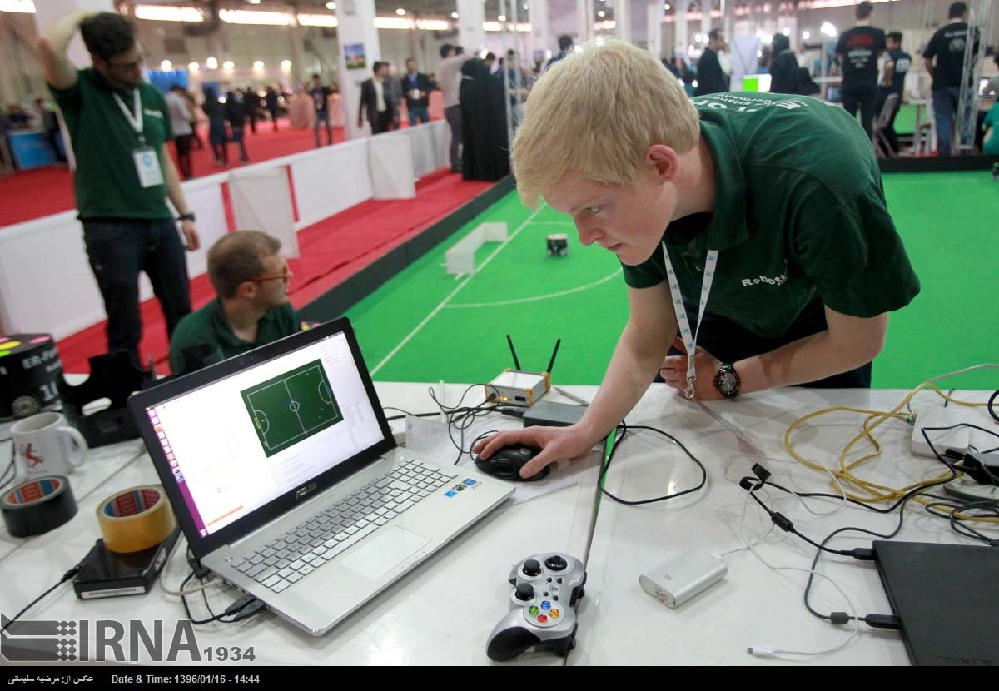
[[681, 576]]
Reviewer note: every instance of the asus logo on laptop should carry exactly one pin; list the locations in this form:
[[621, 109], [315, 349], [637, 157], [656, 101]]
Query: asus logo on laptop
[[302, 491]]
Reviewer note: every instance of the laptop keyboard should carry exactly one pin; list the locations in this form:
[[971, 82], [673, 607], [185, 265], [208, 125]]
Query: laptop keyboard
[[293, 556]]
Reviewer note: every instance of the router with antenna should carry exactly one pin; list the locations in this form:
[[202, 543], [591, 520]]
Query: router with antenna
[[518, 387]]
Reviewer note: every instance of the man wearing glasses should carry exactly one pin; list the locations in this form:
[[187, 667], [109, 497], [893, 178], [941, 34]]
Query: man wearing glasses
[[251, 307], [119, 125]]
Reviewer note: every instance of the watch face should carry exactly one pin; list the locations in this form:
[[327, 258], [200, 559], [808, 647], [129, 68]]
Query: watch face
[[727, 382]]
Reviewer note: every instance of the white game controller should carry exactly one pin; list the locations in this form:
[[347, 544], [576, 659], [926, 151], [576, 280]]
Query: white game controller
[[545, 589]]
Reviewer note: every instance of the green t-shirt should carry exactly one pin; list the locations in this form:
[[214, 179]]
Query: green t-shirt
[[107, 181], [207, 327], [799, 214]]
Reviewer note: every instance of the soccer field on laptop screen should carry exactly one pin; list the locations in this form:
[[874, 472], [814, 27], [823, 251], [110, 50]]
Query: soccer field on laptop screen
[[241, 441]]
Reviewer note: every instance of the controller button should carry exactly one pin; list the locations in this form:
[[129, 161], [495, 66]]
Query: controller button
[[556, 563], [533, 609], [542, 619], [559, 581], [545, 594], [524, 592], [555, 613], [532, 567], [545, 604]]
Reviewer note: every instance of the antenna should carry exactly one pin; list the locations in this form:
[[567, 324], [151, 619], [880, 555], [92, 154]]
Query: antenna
[[516, 361], [551, 362]]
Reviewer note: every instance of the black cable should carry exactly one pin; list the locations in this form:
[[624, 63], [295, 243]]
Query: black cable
[[991, 405], [242, 608], [619, 434], [65, 577]]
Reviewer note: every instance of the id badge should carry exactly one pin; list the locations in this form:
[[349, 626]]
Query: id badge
[[147, 164]]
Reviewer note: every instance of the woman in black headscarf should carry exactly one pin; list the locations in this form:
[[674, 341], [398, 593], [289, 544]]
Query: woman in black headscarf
[[783, 67], [486, 150]]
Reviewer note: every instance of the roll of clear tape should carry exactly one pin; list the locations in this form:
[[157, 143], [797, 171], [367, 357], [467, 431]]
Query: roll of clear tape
[[135, 519]]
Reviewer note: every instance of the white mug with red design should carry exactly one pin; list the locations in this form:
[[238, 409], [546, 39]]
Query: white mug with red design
[[45, 444]]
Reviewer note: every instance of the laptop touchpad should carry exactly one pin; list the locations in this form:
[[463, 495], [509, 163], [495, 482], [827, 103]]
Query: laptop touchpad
[[381, 553]]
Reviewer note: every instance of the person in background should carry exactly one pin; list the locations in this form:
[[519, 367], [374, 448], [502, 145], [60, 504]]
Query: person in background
[[485, 150], [271, 103], [6, 158], [711, 78], [896, 67], [859, 49], [252, 107], [393, 86], [376, 104], [449, 81], [192, 106], [180, 122], [49, 121], [490, 60], [783, 68], [250, 277], [565, 44], [944, 56], [119, 125], [237, 112], [517, 85], [765, 264], [416, 86], [990, 138], [321, 95], [218, 128]]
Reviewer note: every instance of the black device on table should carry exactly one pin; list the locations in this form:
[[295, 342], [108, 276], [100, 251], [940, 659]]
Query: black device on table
[[506, 462]]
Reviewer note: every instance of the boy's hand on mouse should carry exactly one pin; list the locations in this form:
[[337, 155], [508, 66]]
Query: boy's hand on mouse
[[556, 444]]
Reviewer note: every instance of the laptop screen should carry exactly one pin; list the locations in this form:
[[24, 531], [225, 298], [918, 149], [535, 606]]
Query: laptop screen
[[233, 440]]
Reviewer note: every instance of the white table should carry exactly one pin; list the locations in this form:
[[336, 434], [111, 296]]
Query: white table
[[440, 614], [755, 604]]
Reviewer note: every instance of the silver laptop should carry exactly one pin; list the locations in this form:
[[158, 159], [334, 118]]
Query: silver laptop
[[287, 481]]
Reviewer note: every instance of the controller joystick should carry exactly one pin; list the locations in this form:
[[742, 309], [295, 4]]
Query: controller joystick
[[545, 588]]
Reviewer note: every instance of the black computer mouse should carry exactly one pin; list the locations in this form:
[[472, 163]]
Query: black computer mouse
[[507, 461]]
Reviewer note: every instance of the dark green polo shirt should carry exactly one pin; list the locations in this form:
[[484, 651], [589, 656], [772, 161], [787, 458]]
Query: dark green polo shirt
[[799, 214], [207, 326], [106, 181]]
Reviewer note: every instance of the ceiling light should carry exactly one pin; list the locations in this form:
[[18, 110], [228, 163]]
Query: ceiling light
[[228, 65], [454, 15], [166, 65], [193, 66], [258, 65], [501, 18], [401, 12], [331, 5], [211, 63], [286, 65]]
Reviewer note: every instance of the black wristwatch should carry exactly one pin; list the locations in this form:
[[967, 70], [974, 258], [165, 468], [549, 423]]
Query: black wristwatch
[[189, 216], [727, 381]]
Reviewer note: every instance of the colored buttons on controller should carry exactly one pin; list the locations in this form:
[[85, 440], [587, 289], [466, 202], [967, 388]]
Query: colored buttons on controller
[[533, 610]]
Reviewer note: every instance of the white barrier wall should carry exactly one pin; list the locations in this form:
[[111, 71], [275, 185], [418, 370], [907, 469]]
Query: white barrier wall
[[46, 285]]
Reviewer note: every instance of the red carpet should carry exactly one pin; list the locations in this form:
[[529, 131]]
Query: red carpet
[[332, 250], [45, 191]]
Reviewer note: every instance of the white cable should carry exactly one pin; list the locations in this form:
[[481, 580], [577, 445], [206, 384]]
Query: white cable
[[769, 651]]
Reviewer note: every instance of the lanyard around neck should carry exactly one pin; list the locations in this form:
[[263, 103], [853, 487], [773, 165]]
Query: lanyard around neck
[[134, 119], [690, 338]]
